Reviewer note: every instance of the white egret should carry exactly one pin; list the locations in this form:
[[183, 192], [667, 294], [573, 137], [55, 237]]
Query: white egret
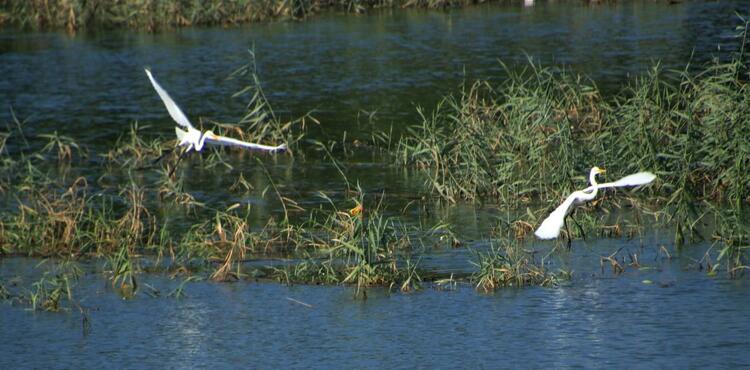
[[193, 138], [550, 227]]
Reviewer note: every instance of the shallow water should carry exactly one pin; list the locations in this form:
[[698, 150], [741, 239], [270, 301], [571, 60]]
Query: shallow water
[[683, 319], [92, 87]]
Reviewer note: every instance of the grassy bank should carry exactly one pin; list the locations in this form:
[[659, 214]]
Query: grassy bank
[[157, 14]]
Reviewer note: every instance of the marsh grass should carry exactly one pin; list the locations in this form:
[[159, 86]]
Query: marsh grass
[[506, 262], [46, 223], [259, 122], [531, 139], [63, 146], [123, 270], [55, 287], [509, 265], [153, 15], [732, 239], [133, 150], [361, 247]]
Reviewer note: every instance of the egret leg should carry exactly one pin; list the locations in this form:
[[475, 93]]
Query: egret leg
[[178, 161], [567, 230], [166, 151], [580, 229]]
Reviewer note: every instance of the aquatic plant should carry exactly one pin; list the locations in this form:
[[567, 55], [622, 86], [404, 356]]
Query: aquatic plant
[[234, 246], [133, 150], [531, 137], [360, 247], [123, 272], [62, 145], [732, 239], [55, 286], [508, 265], [259, 122]]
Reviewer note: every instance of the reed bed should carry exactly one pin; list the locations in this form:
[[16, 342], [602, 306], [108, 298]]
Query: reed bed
[[509, 265], [532, 138], [152, 15]]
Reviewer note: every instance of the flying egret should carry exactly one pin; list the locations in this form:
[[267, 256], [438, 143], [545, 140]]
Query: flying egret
[[193, 138], [550, 227]]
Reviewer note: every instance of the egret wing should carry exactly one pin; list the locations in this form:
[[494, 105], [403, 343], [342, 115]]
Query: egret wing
[[550, 227], [172, 107], [640, 178], [227, 141]]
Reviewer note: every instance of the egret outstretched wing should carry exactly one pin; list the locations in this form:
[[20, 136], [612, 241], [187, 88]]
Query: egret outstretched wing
[[228, 141], [172, 107], [640, 178], [550, 227]]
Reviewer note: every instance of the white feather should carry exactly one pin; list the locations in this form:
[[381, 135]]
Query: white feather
[[227, 141], [550, 227], [172, 107], [194, 139], [640, 178]]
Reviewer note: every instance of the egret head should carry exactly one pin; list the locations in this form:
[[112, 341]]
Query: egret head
[[206, 135], [595, 171]]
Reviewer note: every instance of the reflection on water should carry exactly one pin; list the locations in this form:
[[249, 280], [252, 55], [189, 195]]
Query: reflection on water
[[92, 87]]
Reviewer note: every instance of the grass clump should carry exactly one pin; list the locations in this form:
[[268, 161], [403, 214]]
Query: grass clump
[[360, 247], [509, 265], [509, 142]]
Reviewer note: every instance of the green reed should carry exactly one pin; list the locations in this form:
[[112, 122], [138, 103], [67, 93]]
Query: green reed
[[54, 287], [259, 122], [133, 150], [153, 15], [509, 265], [362, 248], [533, 137]]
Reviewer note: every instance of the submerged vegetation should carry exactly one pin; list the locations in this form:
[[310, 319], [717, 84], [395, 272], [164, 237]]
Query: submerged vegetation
[[156, 14]]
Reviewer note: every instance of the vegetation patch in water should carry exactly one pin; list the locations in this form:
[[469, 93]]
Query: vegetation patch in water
[[509, 265]]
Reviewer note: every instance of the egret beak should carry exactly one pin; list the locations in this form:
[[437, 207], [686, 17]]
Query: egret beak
[[601, 170]]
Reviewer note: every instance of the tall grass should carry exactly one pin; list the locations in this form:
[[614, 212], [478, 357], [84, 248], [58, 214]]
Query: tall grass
[[152, 15], [509, 265], [359, 247], [539, 130], [533, 137]]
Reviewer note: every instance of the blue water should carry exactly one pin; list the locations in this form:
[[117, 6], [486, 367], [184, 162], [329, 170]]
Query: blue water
[[682, 320]]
